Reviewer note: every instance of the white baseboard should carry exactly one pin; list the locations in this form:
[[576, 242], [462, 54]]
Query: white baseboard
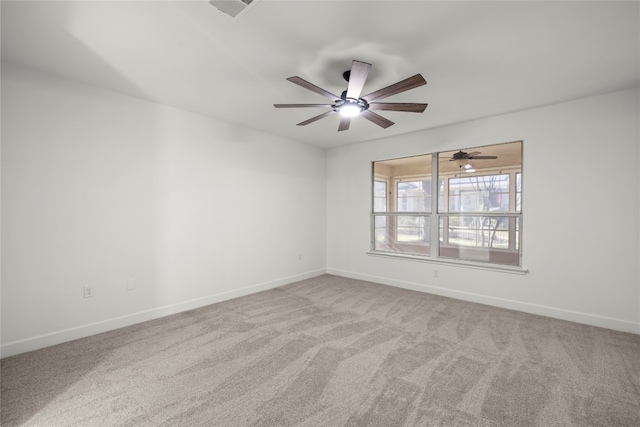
[[58, 337], [554, 312]]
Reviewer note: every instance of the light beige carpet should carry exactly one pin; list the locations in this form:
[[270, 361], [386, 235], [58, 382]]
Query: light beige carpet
[[331, 351]]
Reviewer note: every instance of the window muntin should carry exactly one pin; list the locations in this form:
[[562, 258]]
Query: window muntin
[[518, 192], [477, 210]]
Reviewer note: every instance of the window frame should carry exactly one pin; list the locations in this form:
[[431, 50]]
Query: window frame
[[435, 215]]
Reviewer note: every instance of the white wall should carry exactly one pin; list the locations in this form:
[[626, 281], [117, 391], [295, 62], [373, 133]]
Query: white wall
[[98, 187], [580, 205]]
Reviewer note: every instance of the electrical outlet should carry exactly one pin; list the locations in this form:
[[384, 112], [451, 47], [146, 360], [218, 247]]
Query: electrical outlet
[[299, 257], [131, 284], [88, 292], [436, 274]]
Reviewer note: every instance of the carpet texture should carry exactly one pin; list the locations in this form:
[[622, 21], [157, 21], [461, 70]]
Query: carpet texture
[[331, 351]]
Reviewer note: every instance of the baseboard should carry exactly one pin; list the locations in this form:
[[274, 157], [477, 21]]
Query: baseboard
[[554, 312], [58, 337]]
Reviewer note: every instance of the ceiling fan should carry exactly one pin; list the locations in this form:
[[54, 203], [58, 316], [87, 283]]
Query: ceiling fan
[[461, 155], [350, 104]]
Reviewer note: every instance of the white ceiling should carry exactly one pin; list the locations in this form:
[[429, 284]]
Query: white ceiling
[[479, 58]]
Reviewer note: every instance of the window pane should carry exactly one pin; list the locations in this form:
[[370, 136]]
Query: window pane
[[413, 229], [380, 205], [379, 196], [479, 231], [404, 234], [380, 225], [414, 196], [488, 193], [476, 238], [381, 221]]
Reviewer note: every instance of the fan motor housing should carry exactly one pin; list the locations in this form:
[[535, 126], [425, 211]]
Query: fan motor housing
[[344, 101]]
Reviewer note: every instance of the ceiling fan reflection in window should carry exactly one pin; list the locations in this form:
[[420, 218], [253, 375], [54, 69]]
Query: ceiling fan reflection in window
[[461, 155], [350, 104], [464, 158]]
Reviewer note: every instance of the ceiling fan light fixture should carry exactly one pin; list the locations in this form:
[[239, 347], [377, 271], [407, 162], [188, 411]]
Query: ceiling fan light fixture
[[350, 110], [351, 107]]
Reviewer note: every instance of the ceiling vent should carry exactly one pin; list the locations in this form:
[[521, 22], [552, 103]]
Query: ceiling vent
[[231, 7]]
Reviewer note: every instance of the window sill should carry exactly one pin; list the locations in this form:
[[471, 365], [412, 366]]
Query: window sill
[[452, 262]]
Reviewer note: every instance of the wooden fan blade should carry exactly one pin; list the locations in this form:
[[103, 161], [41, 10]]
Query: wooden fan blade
[[313, 88], [398, 106], [344, 124], [377, 119], [401, 86], [318, 117], [357, 77], [302, 105]]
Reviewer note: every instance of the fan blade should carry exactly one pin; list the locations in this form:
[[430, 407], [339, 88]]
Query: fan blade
[[482, 157], [344, 124], [313, 119], [302, 105], [401, 86], [313, 88], [357, 77], [398, 106], [377, 119]]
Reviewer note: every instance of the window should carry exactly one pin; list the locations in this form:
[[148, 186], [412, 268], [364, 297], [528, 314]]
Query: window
[[402, 224], [476, 215]]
